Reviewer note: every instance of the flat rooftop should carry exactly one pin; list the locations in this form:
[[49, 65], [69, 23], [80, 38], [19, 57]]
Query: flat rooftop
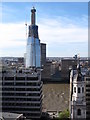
[[10, 116]]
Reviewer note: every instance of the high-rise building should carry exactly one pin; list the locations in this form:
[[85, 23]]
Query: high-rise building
[[33, 52], [22, 87], [77, 95], [43, 54]]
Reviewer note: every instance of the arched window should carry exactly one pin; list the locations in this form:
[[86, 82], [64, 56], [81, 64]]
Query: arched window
[[75, 89], [78, 89], [79, 112], [82, 89]]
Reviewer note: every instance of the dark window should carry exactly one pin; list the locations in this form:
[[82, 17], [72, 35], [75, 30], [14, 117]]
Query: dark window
[[79, 112], [82, 89], [78, 89], [75, 89], [88, 79], [9, 78], [88, 90], [87, 85], [20, 83], [32, 78], [8, 83], [20, 78]]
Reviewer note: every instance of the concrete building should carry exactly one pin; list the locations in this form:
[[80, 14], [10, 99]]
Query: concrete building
[[22, 92], [87, 79], [77, 95]]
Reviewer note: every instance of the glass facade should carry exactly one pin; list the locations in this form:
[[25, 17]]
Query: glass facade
[[33, 54]]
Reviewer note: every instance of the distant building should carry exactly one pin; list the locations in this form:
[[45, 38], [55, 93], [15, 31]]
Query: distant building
[[66, 65], [46, 73], [89, 61], [43, 54], [51, 71], [77, 95]]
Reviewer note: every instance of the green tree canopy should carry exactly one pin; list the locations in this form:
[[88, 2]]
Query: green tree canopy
[[64, 114]]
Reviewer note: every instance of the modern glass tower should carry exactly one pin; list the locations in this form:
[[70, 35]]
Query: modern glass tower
[[33, 52]]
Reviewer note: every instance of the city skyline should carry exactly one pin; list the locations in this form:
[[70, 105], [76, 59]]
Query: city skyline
[[62, 26]]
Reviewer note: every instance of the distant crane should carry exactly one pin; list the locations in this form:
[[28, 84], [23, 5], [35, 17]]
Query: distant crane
[[26, 25]]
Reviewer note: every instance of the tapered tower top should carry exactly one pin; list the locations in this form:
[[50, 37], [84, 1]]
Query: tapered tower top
[[33, 19], [33, 28]]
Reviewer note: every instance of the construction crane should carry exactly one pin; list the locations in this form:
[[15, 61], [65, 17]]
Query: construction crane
[[26, 25]]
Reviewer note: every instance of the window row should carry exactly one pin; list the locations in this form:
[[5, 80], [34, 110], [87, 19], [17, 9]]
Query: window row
[[23, 109], [20, 104], [21, 94], [80, 90], [21, 83], [20, 78], [28, 99]]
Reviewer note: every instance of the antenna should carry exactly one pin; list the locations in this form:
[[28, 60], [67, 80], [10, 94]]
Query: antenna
[[33, 4]]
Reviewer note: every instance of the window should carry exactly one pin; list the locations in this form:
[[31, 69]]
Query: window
[[75, 89], [82, 89], [78, 89], [79, 112]]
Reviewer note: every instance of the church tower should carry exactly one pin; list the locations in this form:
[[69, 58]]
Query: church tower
[[77, 94]]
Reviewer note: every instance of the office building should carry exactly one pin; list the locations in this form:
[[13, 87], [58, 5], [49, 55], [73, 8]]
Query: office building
[[22, 92]]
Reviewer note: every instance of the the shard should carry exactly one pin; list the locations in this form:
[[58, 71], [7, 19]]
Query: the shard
[[33, 52]]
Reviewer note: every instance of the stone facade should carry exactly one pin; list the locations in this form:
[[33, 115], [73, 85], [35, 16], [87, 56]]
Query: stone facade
[[77, 95]]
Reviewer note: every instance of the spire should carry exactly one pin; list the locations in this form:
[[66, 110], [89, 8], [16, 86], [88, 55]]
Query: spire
[[79, 72], [78, 66], [33, 20], [33, 28]]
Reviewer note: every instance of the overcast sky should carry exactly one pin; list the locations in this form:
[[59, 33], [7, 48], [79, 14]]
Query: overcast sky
[[62, 26]]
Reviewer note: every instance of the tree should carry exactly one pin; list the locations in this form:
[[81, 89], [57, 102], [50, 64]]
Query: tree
[[64, 114]]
